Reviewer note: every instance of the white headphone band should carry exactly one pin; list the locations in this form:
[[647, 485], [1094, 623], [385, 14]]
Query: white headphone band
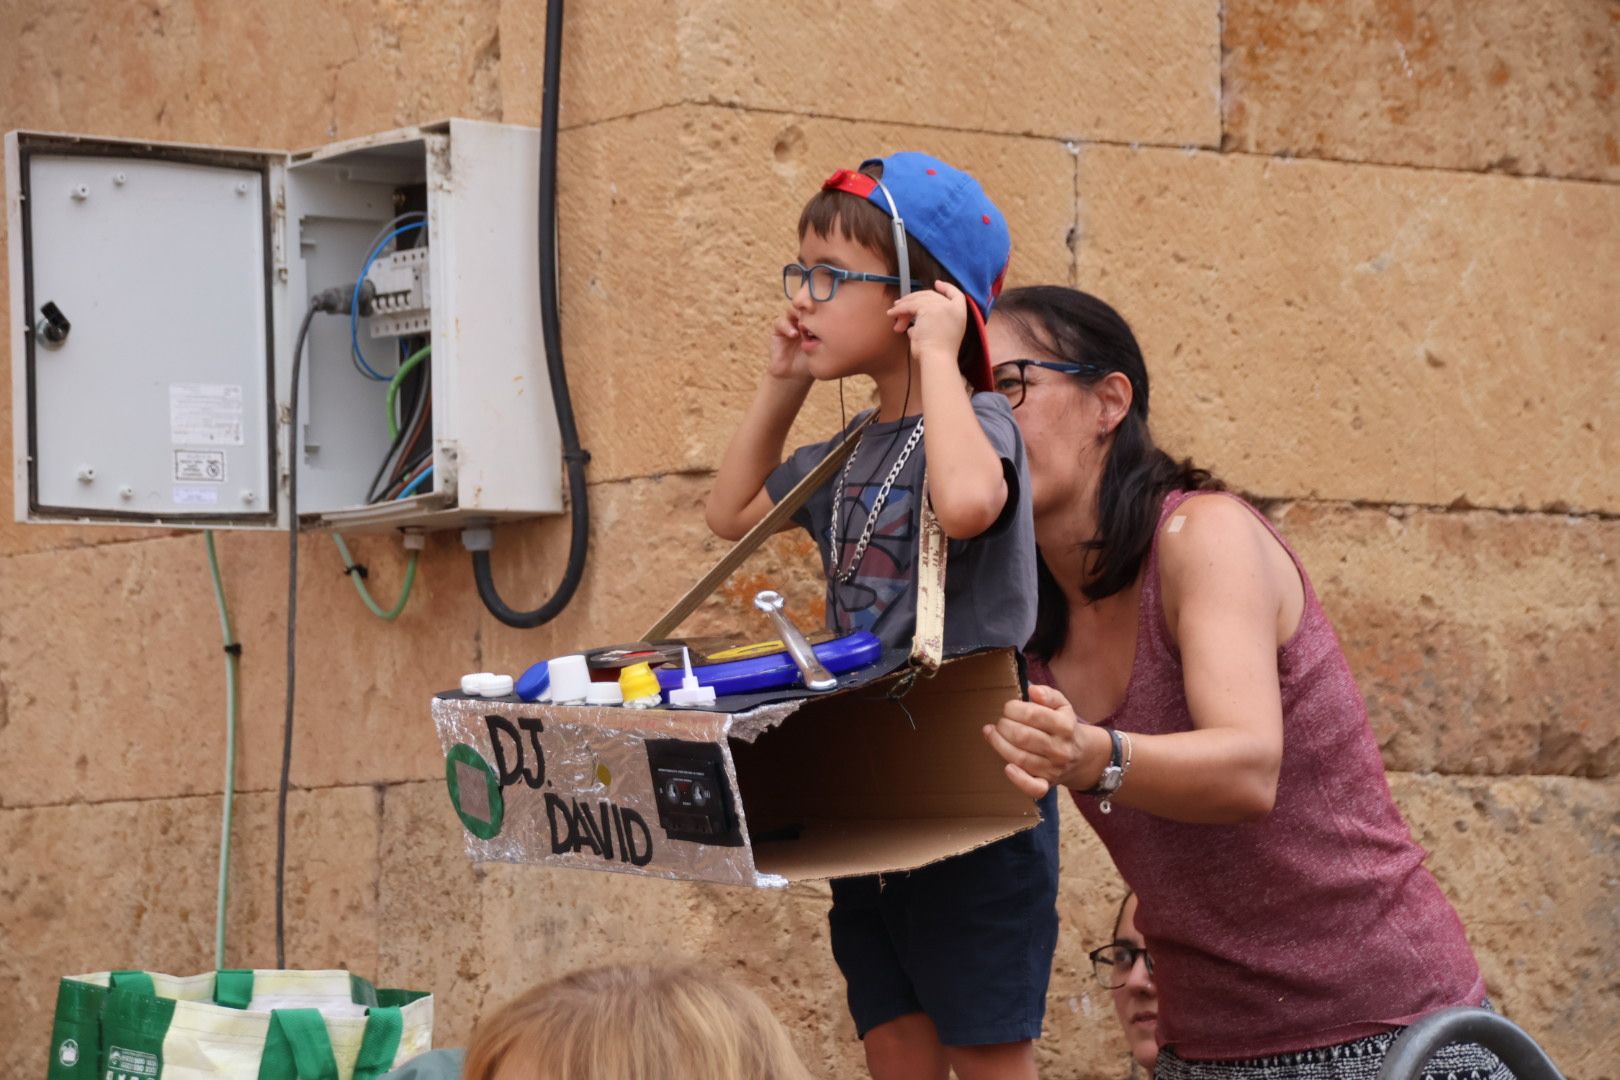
[[901, 250]]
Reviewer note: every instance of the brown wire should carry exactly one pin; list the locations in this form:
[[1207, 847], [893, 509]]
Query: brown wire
[[405, 481], [411, 439]]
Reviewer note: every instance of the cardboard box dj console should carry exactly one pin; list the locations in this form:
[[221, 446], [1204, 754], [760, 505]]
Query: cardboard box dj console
[[886, 769], [852, 781]]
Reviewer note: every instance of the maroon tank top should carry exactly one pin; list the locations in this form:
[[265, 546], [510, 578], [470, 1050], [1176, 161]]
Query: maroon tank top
[[1316, 924]]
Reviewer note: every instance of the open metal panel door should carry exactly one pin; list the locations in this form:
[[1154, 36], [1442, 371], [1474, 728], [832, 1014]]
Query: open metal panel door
[[144, 314]]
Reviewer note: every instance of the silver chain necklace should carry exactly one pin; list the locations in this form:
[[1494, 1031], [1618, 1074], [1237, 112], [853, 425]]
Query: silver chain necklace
[[843, 576]]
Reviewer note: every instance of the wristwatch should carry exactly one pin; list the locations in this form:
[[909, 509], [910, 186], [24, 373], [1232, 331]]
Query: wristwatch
[[1113, 773]]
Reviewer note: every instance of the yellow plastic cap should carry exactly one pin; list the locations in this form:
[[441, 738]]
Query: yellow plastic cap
[[638, 681]]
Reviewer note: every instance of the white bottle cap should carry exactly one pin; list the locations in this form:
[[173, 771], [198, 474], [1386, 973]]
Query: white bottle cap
[[690, 694], [471, 683], [604, 693], [495, 686], [570, 679]]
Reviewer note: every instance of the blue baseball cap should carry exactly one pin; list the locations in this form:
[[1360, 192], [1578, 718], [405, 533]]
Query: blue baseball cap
[[946, 211]]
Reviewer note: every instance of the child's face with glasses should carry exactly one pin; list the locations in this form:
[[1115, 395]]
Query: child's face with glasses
[[850, 333]]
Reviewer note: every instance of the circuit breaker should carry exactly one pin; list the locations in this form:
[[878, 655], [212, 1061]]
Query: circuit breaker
[[156, 290]]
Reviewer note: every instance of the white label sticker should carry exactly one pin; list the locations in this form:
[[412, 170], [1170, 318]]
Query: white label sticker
[[205, 414], [123, 1063], [195, 496], [199, 466]]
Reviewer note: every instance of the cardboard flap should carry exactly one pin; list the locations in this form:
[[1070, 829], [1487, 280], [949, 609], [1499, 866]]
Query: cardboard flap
[[831, 849], [863, 782]]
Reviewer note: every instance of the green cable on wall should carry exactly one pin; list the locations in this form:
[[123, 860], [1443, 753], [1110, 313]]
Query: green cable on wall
[[349, 566], [399, 377], [233, 653], [353, 570]]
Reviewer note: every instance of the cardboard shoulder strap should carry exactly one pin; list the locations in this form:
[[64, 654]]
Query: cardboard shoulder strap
[[927, 647]]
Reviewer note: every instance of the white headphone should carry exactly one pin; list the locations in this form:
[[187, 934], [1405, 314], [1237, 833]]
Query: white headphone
[[899, 226]]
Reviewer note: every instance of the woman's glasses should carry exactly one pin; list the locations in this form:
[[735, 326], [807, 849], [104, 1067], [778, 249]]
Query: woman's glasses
[[1113, 963], [1011, 382]]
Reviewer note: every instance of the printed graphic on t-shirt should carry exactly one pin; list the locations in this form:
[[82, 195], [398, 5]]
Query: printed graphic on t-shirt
[[884, 573]]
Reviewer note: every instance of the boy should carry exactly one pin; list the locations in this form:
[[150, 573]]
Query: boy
[[946, 966]]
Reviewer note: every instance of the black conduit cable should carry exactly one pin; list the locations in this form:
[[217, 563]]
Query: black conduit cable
[[292, 630], [574, 456]]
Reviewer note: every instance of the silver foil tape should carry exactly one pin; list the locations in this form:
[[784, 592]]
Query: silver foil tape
[[571, 786]]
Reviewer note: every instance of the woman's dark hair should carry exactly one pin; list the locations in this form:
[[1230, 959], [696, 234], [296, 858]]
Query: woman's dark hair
[[831, 211], [1076, 326]]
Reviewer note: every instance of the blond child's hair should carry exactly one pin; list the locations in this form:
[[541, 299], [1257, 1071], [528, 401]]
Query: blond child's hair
[[634, 1023]]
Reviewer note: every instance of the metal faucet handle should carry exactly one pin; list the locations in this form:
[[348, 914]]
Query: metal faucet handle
[[816, 676]]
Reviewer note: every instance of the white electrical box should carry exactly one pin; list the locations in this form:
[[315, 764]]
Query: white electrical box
[[156, 290]]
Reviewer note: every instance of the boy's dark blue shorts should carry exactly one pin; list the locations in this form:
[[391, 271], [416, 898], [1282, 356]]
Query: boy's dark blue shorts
[[968, 940]]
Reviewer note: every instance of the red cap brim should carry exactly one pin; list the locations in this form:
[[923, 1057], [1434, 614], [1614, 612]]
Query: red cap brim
[[981, 376], [856, 183]]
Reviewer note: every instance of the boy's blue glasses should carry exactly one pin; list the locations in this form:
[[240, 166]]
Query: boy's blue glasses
[[824, 280]]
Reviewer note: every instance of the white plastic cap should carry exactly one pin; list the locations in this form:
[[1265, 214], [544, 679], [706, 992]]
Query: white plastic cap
[[496, 686], [695, 697], [604, 693], [486, 684], [690, 694]]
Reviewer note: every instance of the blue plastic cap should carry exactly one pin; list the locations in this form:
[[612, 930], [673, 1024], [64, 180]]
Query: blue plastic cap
[[534, 682]]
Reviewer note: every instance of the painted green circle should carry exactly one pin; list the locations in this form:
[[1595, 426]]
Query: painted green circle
[[467, 758]]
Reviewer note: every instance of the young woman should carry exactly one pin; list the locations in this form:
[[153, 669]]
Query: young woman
[[1197, 703]]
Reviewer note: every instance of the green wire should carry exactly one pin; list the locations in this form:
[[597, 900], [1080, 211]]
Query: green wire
[[360, 584], [343, 549], [231, 661], [410, 567], [399, 376]]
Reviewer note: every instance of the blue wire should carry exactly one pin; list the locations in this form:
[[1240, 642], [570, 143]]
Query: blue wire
[[411, 487], [354, 301]]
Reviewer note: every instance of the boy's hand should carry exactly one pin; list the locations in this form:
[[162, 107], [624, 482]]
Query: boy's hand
[[938, 319], [788, 359]]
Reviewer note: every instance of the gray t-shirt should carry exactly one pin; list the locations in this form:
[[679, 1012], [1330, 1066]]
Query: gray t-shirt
[[989, 580]]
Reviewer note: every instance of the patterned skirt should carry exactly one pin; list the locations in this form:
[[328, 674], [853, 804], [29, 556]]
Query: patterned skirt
[[1359, 1059]]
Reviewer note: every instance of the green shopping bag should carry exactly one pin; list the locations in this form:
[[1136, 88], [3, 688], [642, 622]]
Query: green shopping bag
[[272, 1025]]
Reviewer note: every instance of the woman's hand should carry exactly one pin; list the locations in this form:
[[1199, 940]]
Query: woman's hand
[[937, 319], [788, 358], [1044, 743]]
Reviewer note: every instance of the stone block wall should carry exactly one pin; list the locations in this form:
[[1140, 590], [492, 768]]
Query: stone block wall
[[1369, 247]]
